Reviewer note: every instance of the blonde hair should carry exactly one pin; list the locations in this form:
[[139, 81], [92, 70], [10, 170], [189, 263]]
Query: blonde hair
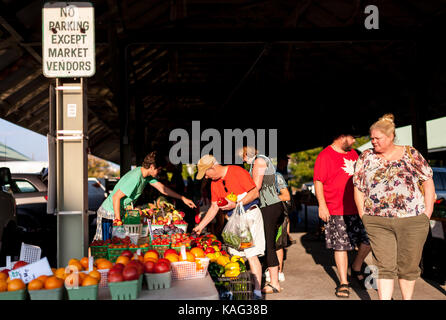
[[251, 152], [385, 124]]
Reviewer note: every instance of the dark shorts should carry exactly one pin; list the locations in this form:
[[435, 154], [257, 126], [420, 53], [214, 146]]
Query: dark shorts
[[344, 233]]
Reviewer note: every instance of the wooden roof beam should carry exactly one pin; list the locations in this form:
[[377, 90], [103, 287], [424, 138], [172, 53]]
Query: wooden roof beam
[[19, 39]]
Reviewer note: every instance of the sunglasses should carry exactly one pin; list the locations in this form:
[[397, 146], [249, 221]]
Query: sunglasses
[[224, 185]]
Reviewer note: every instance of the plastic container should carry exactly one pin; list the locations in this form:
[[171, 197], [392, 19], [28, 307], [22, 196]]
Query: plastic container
[[104, 277], [145, 231], [125, 290], [140, 281], [240, 287], [182, 226], [83, 293], [99, 252], [132, 217], [178, 249], [157, 281], [114, 253], [30, 253], [185, 270], [51, 294], [133, 229], [161, 249], [13, 295]]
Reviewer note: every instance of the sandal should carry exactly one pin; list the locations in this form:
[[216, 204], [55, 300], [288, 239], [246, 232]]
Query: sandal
[[270, 289], [342, 291], [356, 275]]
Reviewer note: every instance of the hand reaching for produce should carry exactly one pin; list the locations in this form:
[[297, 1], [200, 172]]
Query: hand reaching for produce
[[231, 205], [189, 203], [197, 230]]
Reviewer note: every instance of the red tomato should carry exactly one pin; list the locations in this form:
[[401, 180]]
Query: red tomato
[[161, 267], [148, 266]]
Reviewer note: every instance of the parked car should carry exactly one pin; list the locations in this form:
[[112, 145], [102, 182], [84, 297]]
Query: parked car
[[440, 182], [7, 216], [29, 191], [96, 194]]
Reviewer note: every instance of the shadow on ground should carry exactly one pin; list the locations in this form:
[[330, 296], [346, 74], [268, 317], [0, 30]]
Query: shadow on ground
[[315, 246]]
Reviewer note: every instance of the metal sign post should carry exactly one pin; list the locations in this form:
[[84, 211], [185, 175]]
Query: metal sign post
[[72, 168], [68, 53]]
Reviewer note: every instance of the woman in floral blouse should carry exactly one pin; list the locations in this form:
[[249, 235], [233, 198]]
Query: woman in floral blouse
[[394, 208]]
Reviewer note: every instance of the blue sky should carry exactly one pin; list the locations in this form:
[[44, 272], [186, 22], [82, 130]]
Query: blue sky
[[27, 142]]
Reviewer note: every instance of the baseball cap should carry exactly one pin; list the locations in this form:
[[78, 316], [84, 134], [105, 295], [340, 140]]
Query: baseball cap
[[206, 162]]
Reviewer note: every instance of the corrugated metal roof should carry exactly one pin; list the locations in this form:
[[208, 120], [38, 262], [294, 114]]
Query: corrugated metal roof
[[224, 61], [9, 154]]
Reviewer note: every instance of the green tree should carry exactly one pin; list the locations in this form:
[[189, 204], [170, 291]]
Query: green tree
[[100, 168], [302, 163], [302, 166]]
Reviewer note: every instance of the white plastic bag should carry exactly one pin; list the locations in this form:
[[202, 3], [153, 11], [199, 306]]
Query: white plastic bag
[[236, 233]]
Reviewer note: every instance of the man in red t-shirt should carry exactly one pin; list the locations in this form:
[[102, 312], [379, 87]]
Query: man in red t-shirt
[[333, 173], [234, 179]]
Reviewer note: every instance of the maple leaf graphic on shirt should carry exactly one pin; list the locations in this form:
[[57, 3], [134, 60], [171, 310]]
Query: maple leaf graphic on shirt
[[349, 166]]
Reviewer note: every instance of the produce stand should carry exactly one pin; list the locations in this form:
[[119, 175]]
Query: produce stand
[[195, 289], [197, 268]]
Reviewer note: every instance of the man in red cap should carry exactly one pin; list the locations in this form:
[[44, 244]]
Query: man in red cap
[[234, 179]]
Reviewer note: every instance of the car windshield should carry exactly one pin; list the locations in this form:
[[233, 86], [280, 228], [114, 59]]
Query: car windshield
[[440, 180]]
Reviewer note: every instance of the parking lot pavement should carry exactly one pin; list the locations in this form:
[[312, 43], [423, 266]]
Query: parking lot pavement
[[310, 274]]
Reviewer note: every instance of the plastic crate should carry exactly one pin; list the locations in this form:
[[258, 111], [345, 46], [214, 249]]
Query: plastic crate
[[114, 253], [178, 249], [158, 280], [145, 231], [83, 293], [237, 288], [104, 277], [30, 253], [161, 249], [131, 217], [185, 270], [133, 229], [13, 295], [125, 290], [182, 226], [140, 281], [99, 252], [52, 294]]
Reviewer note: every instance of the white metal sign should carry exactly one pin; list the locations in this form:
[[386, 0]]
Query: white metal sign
[[32, 271], [71, 110], [68, 40]]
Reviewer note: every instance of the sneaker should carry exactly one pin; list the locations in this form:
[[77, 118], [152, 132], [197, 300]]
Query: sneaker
[[267, 276], [281, 276]]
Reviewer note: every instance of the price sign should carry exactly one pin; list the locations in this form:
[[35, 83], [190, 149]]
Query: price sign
[[32, 271]]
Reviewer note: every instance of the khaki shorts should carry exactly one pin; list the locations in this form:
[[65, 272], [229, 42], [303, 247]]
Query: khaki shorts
[[255, 222], [397, 244]]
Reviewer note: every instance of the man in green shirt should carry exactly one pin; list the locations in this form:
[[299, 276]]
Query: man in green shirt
[[131, 186]]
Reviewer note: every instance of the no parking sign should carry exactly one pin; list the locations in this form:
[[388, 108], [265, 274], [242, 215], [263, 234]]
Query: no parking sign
[[68, 40]]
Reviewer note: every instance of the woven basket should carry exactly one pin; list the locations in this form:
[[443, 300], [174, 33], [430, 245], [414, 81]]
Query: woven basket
[[186, 270]]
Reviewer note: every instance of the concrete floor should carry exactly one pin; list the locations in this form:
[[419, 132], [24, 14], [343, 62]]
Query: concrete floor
[[310, 273]]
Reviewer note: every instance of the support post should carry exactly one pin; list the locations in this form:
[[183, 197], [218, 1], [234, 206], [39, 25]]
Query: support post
[[72, 165]]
